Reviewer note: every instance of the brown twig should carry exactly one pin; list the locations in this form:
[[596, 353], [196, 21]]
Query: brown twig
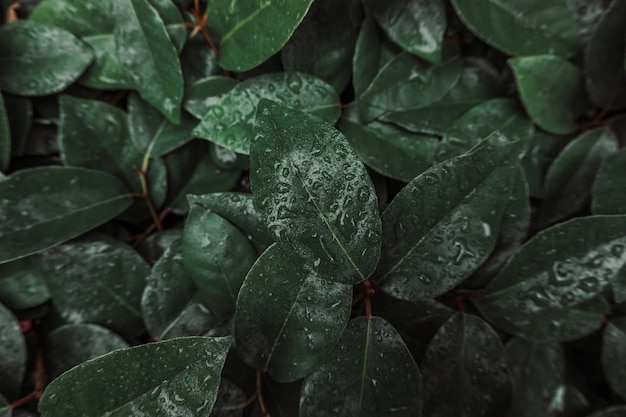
[[259, 392]]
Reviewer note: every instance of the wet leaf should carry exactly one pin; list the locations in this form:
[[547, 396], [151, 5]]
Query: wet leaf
[[97, 279], [198, 61], [206, 93], [442, 218], [175, 377], [530, 27], [230, 122], [229, 400], [542, 150], [303, 316], [551, 90], [22, 284], [609, 191], [42, 207], [5, 137], [614, 355], [314, 194], [465, 361], [417, 26], [217, 256], [39, 59], [12, 354], [370, 373], [249, 32]]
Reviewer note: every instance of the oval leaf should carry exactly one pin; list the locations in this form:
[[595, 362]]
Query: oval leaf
[[609, 189], [5, 137], [205, 93], [12, 354], [22, 284], [614, 355]]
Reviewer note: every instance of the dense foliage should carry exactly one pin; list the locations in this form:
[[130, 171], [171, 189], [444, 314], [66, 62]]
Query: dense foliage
[[313, 208]]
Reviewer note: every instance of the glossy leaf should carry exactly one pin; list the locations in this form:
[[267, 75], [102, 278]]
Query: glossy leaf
[[530, 27], [614, 355], [42, 207], [314, 194], [604, 59], [170, 303], [551, 90], [198, 61], [571, 176], [20, 114], [217, 256], [542, 150], [148, 55], [22, 284], [73, 344], [229, 400], [239, 210], [303, 316], [39, 59], [206, 93], [249, 32], [609, 191], [465, 361], [370, 373], [12, 354], [449, 215], [5, 137], [529, 363], [407, 82], [175, 377], [109, 294], [417, 26], [230, 122]]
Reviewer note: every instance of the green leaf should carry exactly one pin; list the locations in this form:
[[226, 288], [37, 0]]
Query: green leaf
[[558, 268], [604, 59], [39, 59], [157, 243], [551, 90], [407, 82], [22, 284], [517, 28], [323, 44], [239, 210], [229, 400], [170, 303], [314, 193], [12, 354], [205, 93], [5, 409], [615, 411], [465, 362], [146, 51], [20, 114], [444, 224], [571, 176], [109, 294], [230, 122], [536, 372], [152, 133], [542, 150], [5, 137], [303, 316], [609, 191], [217, 256], [249, 32], [73, 344], [614, 355], [42, 207], [198, 61], [175, 377], [369, 373], [417, 26]]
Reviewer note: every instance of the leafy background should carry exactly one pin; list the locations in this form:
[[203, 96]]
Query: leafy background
[[313, 207]]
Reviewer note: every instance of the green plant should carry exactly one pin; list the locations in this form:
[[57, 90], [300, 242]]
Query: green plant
[[185, 232]]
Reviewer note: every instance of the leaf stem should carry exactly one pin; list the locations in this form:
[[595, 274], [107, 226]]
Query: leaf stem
[[367, 292], [138, 239], [39, 374], [259, 392], [143, 172]]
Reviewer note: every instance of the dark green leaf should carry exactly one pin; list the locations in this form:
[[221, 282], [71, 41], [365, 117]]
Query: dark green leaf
[[416, 25], [5, 138], [230, 122], [465, 362], [551, 90], [73, 344], [217, 256], [170, 303], [157, 243], [5, 409], [323, 44], [22, 284], [616, 411], [571, 176], [229, 400], [176, 377], [303, 316], [542, 150], [529, 27], [20, 113], [146, 51], [614, 355], [12, 354], [444, 224], [587, 13], [536, 372], [198, 61], [42, 207], [369, 374], [206, 93], [39, 59], [97, 279], [314, 193], [249, 32], [609, 189], [604, 59]]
